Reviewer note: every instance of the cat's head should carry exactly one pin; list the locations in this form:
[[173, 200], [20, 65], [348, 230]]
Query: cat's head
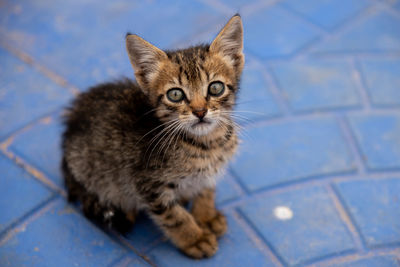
[[193, 88]]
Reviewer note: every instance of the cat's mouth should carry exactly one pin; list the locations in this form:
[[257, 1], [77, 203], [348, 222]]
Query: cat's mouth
[[202, 127], [202, 122]]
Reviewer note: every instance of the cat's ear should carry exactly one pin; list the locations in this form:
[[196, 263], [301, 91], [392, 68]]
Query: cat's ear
[[145, 59], [229, 42]]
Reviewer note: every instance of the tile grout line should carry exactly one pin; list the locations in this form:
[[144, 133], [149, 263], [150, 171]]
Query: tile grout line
[[21, 225], [278, 95], [18, 160], [30, 124], [302, 51], [354, 257], [24, 57], [310, 181], [346, 218], [290, 118], [222, 8], [244, 190], [153, 244], [232, 181], [260, 5], [318, 180], [361, 84], [277, 91], [352, 142], [325, 257], [257, 238], [38, 175], [321, 30], [330, 30], [129, 246], [14, 224], [357, 19], [373, 54], [114, 235], [63, 194], [122, 261]]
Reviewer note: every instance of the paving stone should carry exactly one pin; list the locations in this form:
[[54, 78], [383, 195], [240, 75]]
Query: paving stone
[[255, 101], [396, 5], [317, 85], [84, 41], [239, 5], [227, 190], [40, 146], [60, 237], [300, 225], [328, 14], [25, 94], [144, 233], [291, 151], [20, 193], [135, 262], [273, 32], [381, 261], [382, 81], [235, 249], [373, 204], [378, 137], [377, 33]]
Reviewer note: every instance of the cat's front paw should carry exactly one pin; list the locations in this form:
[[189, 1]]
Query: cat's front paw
[[204, 247], [217, 224]]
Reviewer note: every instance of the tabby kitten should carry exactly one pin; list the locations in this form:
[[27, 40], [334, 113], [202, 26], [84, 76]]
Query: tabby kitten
[[158, 142]]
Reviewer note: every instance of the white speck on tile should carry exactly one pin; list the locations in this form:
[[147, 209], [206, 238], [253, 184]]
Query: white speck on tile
[[283, 213]]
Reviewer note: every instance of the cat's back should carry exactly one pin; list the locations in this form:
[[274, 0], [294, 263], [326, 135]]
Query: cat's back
[[105, 123], [110, 108], [119, 100]]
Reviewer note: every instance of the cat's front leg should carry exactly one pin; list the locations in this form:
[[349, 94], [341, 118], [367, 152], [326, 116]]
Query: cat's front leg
[[206, 214], [181, 228]]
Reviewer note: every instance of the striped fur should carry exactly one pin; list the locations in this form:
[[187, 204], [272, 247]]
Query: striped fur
[[128, 147]]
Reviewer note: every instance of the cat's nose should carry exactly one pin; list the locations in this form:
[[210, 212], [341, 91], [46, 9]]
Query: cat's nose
[[200, 113]]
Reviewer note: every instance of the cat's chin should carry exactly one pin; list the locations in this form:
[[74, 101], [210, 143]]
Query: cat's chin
[[202, 128]]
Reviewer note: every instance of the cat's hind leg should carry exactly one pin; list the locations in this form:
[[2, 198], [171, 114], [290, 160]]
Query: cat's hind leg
[[106, 215]]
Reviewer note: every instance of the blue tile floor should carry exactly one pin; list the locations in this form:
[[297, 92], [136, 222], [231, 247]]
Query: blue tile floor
[[317, 179]]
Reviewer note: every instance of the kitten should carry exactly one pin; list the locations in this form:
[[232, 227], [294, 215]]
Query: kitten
[[160, 141]]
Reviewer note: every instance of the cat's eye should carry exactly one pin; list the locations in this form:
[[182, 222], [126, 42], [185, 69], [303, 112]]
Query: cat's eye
[[175, 95], [216, 88]]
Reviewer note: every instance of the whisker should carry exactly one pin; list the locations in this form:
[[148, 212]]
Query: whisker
[[168, 140], [166, 134], [174, 137], [163, 124], [237, 126], [160, 134], [245, 111]]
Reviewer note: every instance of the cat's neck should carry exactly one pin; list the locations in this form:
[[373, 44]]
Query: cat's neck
[[219, 133]]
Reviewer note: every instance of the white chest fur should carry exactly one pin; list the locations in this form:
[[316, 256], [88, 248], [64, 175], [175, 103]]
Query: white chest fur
[[192, 185]]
